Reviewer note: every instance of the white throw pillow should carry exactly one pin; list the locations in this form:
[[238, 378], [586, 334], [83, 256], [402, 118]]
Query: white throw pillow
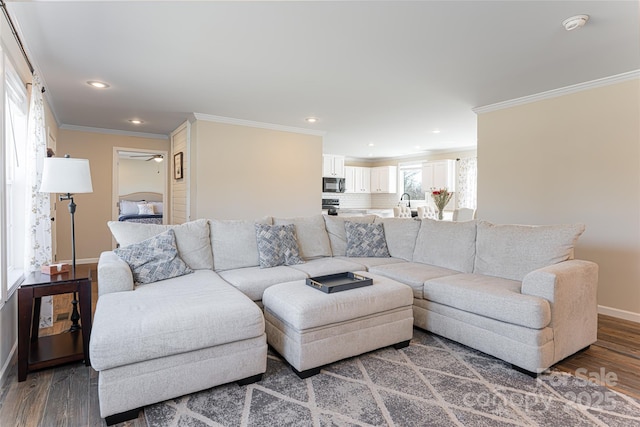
[[145, 209]]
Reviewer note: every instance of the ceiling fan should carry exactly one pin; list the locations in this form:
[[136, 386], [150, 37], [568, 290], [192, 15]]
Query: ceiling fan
[[157, 157]]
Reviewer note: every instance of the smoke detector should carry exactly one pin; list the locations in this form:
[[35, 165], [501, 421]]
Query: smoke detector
[[575, 22]]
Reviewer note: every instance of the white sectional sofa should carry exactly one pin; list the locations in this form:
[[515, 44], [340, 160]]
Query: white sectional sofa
[[511, 291]]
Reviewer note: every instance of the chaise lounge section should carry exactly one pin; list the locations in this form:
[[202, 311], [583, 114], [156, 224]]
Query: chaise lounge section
[[512, 291]]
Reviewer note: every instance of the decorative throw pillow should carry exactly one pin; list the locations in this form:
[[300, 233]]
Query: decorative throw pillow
[[145, 209], [277, 245], [365, 240], [154, 259]]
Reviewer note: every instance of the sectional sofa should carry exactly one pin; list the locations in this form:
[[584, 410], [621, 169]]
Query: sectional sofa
[[513, 291]]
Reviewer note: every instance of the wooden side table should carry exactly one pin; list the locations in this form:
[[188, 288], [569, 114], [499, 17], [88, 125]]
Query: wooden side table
[[43, 352]]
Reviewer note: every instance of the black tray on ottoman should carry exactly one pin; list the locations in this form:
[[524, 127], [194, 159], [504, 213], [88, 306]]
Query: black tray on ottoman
[[338, 282]]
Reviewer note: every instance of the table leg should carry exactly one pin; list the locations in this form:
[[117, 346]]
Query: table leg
[[25, 312], [35, 323], [84, 295]]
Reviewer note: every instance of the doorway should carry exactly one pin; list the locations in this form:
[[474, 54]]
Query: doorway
[[139, 175]]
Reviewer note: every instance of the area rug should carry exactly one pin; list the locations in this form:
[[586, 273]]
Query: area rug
[[433, 382]]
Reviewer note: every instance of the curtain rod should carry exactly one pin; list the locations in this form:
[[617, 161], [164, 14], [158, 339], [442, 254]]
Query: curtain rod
[[3, 5]]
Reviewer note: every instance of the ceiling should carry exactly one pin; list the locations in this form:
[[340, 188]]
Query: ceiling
[[380, 77]]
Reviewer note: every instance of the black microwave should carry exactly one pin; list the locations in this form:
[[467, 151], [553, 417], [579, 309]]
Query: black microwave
[[333, 185]]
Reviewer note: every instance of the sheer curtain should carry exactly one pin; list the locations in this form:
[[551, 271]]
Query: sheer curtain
[[38, 225], [467, 183]]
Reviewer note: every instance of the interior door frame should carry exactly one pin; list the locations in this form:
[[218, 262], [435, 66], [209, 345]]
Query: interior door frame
[[115, 186]]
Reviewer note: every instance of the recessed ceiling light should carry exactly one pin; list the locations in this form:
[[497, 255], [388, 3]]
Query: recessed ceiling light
[[371, 144], [97, 84], [136, 121], [370, 154], [311, 119], [575, 22], [417, 147], [435, 131]]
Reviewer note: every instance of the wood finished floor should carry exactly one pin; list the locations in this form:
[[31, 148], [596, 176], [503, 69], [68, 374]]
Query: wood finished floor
[[68, 395]]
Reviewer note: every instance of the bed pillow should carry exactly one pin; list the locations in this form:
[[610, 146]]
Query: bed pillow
[[365, 240], [157, 207], [154, 259], [128, 207], [145, 209], [277, 245]]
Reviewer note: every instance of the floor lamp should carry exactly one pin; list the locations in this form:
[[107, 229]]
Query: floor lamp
[[68, 176]]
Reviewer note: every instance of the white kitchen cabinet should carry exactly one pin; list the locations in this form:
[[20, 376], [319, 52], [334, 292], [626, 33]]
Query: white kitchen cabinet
[[384, 179], [333, 166], [357, 179], [439, 174]]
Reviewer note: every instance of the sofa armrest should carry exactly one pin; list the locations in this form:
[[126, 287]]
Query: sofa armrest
[[571, 288], [114, 275]]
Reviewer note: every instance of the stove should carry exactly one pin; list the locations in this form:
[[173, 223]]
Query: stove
[[331, 206]]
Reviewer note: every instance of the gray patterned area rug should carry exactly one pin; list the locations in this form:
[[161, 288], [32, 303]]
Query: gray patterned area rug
[[433, 382]]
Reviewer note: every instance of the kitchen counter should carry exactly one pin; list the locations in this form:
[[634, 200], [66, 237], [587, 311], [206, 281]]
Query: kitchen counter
[[362, 212]]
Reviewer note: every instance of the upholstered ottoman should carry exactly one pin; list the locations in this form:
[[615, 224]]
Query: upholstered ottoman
[[310, 328]]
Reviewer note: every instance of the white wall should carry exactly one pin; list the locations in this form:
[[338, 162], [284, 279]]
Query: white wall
[[572, 159], [140, 176]]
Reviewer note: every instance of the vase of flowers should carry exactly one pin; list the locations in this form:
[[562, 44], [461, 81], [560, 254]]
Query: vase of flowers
[[441, 197]]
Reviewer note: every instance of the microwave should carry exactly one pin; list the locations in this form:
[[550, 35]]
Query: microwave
[[333, 185]]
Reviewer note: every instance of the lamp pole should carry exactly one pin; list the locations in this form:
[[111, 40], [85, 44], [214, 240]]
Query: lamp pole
[[75, 315]]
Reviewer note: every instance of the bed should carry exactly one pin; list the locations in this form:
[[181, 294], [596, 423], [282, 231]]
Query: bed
[[142, 207]]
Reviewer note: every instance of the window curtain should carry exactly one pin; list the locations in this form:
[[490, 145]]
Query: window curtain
[[467, 183], [38, 211]]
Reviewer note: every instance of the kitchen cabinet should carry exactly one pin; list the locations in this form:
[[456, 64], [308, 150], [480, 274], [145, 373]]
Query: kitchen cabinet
[[357, 179], [384, 179], [439, 174], [332, 166]]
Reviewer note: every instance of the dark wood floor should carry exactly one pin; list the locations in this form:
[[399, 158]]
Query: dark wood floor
[[68, 395]]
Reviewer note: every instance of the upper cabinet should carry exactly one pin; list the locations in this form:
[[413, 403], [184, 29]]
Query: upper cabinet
[[384, 179], [357, 179], [333, 166], [439, 174]]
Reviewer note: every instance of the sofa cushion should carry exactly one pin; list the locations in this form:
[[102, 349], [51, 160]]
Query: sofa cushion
[[488, 296], [311, 234], [401, 234], [329, 265], [369, 262], [277, 245], [252, 281], [365, 240], [192, 239], [234, 243], [171, 317], [512, 251], [413, 274], [154, 259], [337, 233], [447, 244]]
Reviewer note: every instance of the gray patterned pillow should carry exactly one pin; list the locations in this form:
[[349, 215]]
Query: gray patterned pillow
[[365, 240], [154, 259], [277, 245]]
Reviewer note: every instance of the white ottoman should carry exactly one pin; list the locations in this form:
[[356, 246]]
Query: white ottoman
[[310, 328]]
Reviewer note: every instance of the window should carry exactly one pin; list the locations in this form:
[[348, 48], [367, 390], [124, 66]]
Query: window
[[411, 180], [14, 141]]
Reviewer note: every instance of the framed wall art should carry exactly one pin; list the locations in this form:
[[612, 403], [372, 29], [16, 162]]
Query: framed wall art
[[177, 166]]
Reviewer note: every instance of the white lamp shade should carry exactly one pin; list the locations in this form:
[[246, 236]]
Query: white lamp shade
[[66, 175]]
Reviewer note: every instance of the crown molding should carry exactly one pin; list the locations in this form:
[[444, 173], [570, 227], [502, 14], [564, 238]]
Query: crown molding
[[618, 78], [261, 125], [114, 132]]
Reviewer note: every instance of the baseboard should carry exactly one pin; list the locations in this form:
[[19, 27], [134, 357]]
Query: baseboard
[[6, 369], [620, 314]]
